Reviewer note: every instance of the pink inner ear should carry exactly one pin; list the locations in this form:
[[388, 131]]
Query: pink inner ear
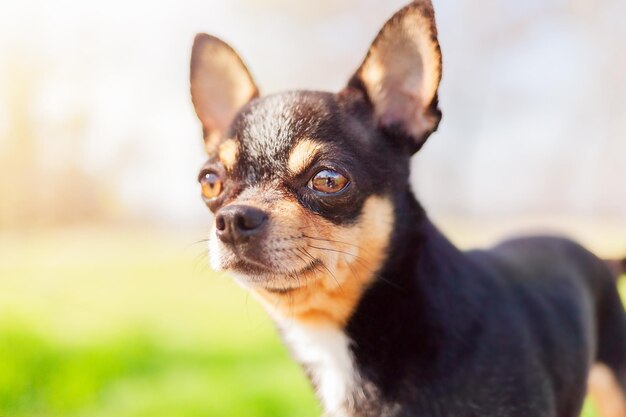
[[220, 86], [401, 106], [402, 70], [219, 106]]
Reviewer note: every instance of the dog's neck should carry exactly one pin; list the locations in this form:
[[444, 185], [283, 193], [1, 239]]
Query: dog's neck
[[406, 305], [418, 304]]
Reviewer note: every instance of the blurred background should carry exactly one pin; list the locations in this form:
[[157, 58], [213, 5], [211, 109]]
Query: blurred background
[[107, 306]]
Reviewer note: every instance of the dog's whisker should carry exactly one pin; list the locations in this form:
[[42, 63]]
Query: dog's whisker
[[323, 265], [356, 257], [335, 241]]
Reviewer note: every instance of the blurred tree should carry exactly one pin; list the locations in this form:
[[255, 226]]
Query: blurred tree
[[34, 192]]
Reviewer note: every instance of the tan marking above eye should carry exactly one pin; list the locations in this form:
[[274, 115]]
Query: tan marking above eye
[[211, 184], [302, 155], [228, 152]]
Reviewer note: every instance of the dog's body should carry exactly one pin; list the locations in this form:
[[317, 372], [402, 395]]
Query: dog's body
[[314, 214], [507, 332]]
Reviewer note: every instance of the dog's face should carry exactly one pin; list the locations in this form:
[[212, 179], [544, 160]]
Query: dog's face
[[302, 184]]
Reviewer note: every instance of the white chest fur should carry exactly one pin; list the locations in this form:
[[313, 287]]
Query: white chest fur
[[325, 352]]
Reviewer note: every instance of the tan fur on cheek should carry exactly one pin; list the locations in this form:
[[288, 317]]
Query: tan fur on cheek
[[302, 155], [351, 258], [228, 152]]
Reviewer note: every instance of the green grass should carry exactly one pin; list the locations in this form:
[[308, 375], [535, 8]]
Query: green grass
[[132, 326], [135, 375], [97, 324]]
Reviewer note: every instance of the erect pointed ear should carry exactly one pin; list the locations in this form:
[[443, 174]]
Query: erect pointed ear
[[401, 74], [220, 86]]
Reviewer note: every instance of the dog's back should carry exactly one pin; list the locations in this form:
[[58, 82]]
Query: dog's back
[[566, 294]]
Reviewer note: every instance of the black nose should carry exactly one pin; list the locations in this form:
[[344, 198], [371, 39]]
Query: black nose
[[237, 223]]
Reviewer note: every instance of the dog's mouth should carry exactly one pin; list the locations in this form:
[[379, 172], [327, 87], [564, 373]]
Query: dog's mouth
[[273, 278]]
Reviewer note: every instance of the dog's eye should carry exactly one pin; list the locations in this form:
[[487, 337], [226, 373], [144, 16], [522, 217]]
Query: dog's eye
[[211, 185], [328, 181]]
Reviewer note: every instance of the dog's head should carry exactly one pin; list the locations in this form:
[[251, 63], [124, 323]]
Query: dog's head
[[302, 184]]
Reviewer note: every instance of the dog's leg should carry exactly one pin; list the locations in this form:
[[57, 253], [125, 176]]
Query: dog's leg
[[611, 320], [607, 380], [606, 393]]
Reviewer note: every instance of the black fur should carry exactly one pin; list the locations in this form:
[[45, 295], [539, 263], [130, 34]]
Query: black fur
[[507, 332]]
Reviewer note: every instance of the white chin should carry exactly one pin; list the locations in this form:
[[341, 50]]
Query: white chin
[[215, 264], [244, 280]]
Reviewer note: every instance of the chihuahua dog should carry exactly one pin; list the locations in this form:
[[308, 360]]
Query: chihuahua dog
[[315, 216]]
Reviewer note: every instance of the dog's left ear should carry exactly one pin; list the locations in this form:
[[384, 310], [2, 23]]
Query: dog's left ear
[[220, 86], [401, 75]]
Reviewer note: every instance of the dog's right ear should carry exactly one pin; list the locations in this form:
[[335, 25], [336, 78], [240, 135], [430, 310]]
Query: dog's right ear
[[401, 72], [220, 86]]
